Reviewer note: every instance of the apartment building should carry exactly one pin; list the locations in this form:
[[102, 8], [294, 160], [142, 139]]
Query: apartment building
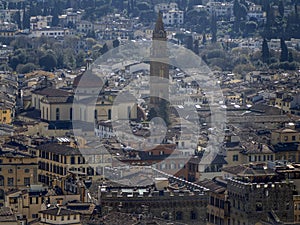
[[17, 170]]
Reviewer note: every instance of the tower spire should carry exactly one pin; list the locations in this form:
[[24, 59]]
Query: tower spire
[[159, 23], [159, 30]]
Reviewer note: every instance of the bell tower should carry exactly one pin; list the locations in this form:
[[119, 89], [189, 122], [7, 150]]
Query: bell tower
[[159, 71]]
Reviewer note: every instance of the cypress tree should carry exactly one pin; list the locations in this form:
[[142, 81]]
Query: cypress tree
[[203, 39], [281, 8], [196, 47], [284, 51], [213, 29], [265, 51], [290, 57]]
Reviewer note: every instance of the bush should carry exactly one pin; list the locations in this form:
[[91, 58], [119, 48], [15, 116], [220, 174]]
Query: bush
[[285, 65], [27, 68], [243, 69], [217, 53]]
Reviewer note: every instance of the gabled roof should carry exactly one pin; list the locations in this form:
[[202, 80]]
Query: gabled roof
[[58, 99], [59, 211], [219, 159], [59, 149], [51, 92], [6, 215], [212, 186]]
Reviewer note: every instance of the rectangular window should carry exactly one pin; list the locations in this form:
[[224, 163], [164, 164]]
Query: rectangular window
[[71, 113], [57, 114], [95, 114], [26, 181], [235, 158], [10, 181]]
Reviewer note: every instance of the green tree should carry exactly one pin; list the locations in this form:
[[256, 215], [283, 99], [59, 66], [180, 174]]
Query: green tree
[[143, 6], [239, 10], [270, 17], [281, 8], [69, 59], [27, 68], [203, 38], [55, 19], [250, 27], [116, 43], [290, 57], [213, 29], [265, 51], [189, 42], [26, 19], [14, 62], [80, 59], [196, 47], [48, 62], [104, 49], [284, 51], [17, 19]]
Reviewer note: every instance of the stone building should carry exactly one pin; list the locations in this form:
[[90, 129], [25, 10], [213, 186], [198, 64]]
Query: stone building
[[160, 200], [59, 215], [285, 142], [27, 203], [257, 195], [57, 160], [218, 208], [7, 217]]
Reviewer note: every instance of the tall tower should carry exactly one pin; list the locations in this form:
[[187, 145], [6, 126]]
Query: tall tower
[[159, 67], [159, 71]]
